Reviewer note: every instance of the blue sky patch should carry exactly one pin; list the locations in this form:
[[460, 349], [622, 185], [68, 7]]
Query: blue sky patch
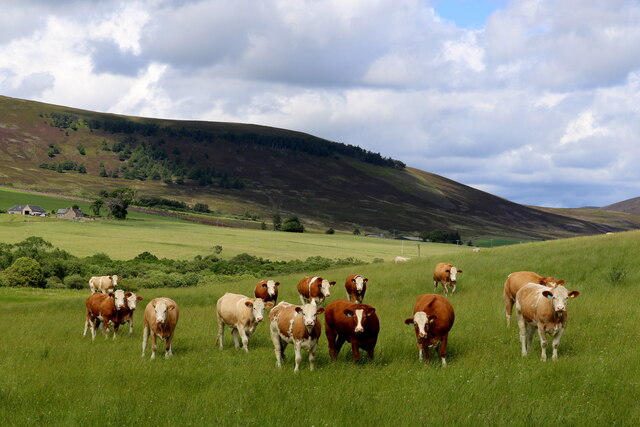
[[468, 13]]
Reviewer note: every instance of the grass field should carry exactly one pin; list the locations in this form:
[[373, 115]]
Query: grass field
[[51, 375]]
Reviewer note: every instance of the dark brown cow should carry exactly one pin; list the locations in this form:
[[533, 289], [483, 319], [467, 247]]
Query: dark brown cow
[[432, 318], [356, 323], [297, 325], [106, 308], [515, 281], [314, 289], [267, 290], [356, 287], [446, 274]]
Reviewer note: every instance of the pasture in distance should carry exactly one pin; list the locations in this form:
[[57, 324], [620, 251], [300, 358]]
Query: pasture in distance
[[49, 374]]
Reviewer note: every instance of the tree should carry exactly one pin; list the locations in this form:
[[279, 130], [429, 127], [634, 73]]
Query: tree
[[277, 222], [292, 225], [201, 207], [25, 271], [82, 168], [330, 231], [81, 149], [356, 231], [118, 202], [96, 206]]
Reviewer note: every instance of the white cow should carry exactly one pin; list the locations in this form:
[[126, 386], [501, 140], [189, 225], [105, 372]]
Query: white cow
[[242, 314], [104, 284], [400, 259]]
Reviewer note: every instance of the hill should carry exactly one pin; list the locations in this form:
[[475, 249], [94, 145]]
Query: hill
[[263, 171], [630, 206]]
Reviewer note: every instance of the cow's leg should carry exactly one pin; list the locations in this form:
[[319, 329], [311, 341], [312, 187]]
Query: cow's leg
[[86, 325], [313, 346], [331, 339], [355, 349], [245, 338], [167, 347], [297, 345], [115, 330], [131, 325], [435, 285], [443, 351], [446, 288], [455, 284], [105, 329], [371, 351], [154, 345], [93, 326], [522, 326], [543, 341], [420, 351], [145, 339], [302, 301], [234, 334], [220, 337], [508, 308], [531, 330], [556, 343], [277, 348]]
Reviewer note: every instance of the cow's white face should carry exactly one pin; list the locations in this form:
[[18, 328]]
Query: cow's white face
[[271, 287], [359, 314], [359, 281], [120, 299], [161, 310], [453, 274], [421, 322], [559, 297], [309, 314], [257, 308], [132, 300], [114, 280], [325, 287]]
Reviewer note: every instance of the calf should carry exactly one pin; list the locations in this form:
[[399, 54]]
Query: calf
[[267, 290], [314, 289], [446, 274], [160, 320], [517, 280], [297, 325], [131, 300], [356, 287], [433, 319], [356, 323], [400, 259], [242, 314], [545, 308], [104, 284], [105, 308]]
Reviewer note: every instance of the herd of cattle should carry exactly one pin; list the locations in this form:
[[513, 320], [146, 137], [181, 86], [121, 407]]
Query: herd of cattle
[[541, 303]]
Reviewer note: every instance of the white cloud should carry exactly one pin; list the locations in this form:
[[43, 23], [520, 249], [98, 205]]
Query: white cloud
[[582, 128]]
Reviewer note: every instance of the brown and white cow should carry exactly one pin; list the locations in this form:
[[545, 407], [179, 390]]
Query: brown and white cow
[[297, 325], [240, 313], [314, 289], [543, 308], [106, 308], [160, 320], [104, 284], [356, 323], [132, 302], [432, 319], [517, 280], [446, 274], [267, 290], [356, 287]]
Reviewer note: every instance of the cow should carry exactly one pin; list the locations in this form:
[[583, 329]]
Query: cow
[[476, 250], [517, 280], [432, 319], [297, 325], [400, 259], [356, 323], [160, 320], [314, 289], [131, 300], [105, 308], [267, 290], [446, 274], [104, 284], [240, 313], [545, 308], [356, 287]]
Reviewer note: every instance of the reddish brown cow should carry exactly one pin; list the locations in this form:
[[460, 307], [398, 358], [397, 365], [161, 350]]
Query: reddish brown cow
[[446, 274], [356, 287], [515, 281], [106, 308], [432, 318], [314, 289], [267, 290], [356, 323]]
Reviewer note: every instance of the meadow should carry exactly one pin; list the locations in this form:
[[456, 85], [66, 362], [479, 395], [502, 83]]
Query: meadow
[[50, 374]]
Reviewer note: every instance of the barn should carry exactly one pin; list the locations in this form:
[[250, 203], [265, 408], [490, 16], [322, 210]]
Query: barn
[[34, 210], [69, 213]]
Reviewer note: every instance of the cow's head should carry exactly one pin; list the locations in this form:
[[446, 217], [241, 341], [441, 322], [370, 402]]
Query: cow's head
[[421, 322], [324, 287], [257, 306], [309, 312], [132, 300], [114, 280], [359, 283], [453, 274], [359, 314], [271, 286], [161, 309], [551, 282], [120, 299], [559, 297]]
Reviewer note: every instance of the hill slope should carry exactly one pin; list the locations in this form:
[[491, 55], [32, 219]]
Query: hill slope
[[630, 206], [248, 168]]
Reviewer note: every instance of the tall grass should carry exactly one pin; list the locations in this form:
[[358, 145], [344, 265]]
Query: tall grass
[[49, 374]]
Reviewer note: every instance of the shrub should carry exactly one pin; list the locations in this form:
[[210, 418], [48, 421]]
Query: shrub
[[292, 225], [330, 231], [54, 282], [377, 260], [75, 281], [25, 272], [616, 275]]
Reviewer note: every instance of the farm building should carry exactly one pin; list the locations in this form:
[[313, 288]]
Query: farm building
[[69, 213], [27, 210]]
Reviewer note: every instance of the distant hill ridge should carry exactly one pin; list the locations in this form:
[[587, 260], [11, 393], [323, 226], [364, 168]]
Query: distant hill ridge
[[264, 171]]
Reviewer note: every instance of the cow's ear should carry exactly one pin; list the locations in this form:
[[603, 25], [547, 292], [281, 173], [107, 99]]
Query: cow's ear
[[248, 304], [353, 281], [299, 310], [459, 271], [264, 285], [332, 283], [543, 281], [269, 304], [573, 294], [560, 282], [277, 284], [365, 280], [447, 271], [171, 307], [127, 295], [111, 295], [139, 298], [547, 294], [370, 311], [409, 321], [320, 310], [348, 313], [432, 318]]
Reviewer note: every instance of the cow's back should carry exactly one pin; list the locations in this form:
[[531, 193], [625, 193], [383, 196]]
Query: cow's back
[[99, 304], [531, 303], [515, 281], [309, 287], [334, 317], [289, 324], [439, 306], [440, 272], [231, 309]]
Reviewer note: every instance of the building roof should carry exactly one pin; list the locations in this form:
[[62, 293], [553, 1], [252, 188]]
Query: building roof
[[34, 208]]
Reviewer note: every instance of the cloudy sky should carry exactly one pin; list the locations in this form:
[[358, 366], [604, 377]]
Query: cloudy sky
[[537, 101]]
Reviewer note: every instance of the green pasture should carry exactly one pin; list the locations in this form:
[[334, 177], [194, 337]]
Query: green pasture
[[51, 375]]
